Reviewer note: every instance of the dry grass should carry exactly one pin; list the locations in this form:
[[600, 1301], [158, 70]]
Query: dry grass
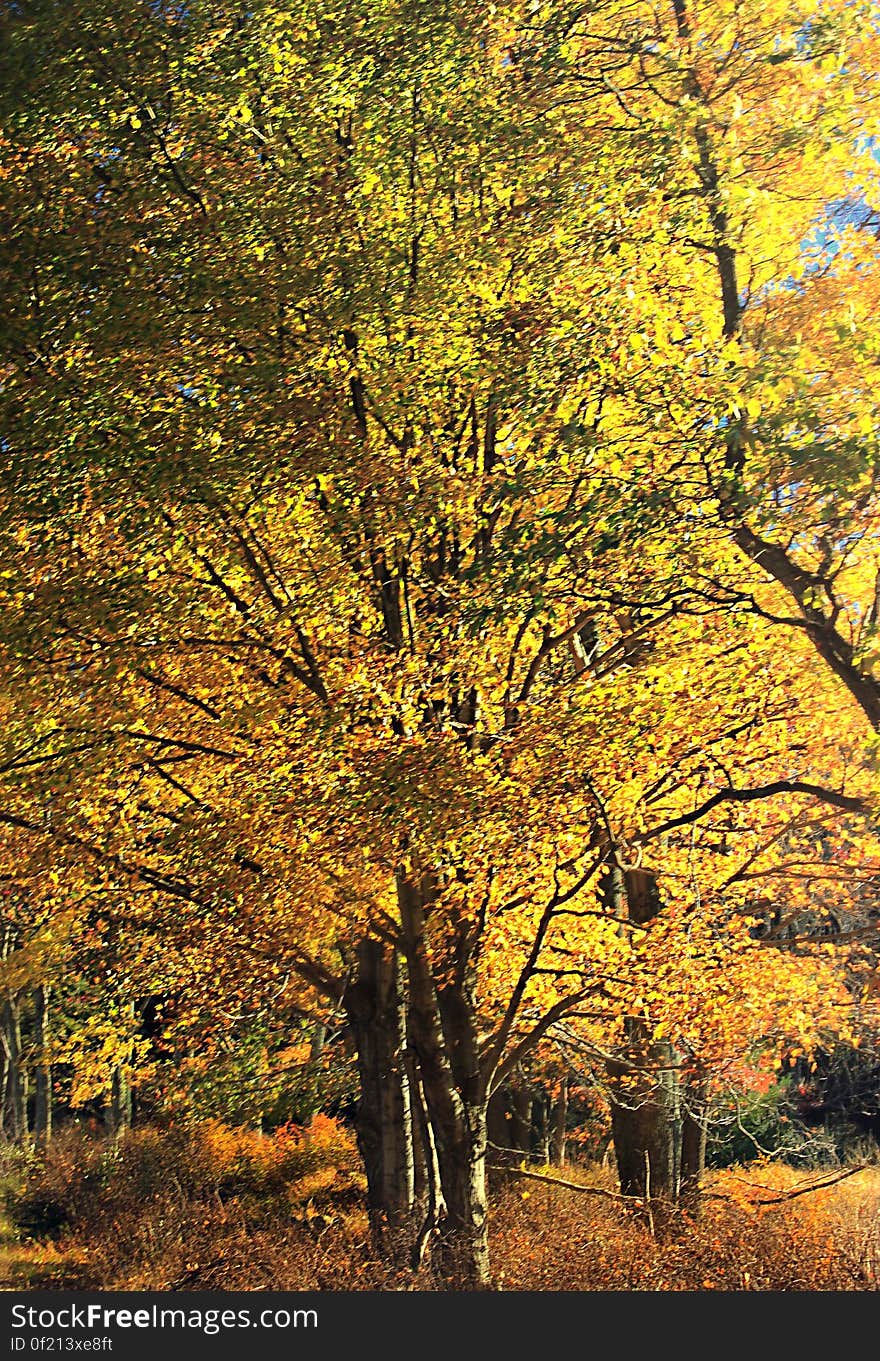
[[557, 1239], [225, 1209], [195, 1209]]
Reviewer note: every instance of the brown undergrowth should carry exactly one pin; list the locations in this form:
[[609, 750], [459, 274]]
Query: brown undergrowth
[[829, 1239], [222, 1209]]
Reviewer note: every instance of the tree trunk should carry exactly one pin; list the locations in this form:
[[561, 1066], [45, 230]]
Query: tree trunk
[[520, 1114], [14, 1112], [313, 1071], [646, 1121], [428, 1194], [658, 1125], [693, 1139], [444, 1035], [462, 1255], [540, 1131], [119, 1110], [498, 1125], [502, 1156], [558, 1122], [376, 1010], [398, 1154], [15, 1121], [43, 1075]]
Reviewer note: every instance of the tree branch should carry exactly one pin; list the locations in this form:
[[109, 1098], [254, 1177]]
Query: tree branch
[[850, 803]]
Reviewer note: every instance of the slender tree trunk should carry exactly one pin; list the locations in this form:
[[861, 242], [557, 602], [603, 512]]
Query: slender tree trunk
[[15, 1121], [4, 1087], [428, 1194], [521, 1114], [540, 1131], [502, 1155], [499, 1126], [558, 1122], [119, 1109], [313, 1069], [43, 1075], [693, 1141], [14, 1111], [360, 1005]]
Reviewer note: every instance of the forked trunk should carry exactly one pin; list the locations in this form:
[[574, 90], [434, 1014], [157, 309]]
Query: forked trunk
[[442, 1020]]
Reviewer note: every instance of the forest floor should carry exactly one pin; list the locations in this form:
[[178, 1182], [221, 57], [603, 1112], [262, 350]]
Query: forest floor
[[221, 1209]]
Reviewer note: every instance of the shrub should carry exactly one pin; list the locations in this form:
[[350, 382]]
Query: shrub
[[84, 1181]]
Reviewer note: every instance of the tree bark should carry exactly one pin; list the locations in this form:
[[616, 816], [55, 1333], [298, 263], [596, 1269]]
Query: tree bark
[[428, 1194], [14, 1111], [502, 1155], [119, 1108], [498, 1125], [313, 1070], [520, 1114], [376, 1010], [444, 1034], [559, 1122], [15, 1121], [693, 1139], [540, 1130], [656, 1148], [43, 1074], [645, 1119]]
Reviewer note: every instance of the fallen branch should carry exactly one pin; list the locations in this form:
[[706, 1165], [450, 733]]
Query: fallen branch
[[642, 1201], [567, 1185], [804, 1190]]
